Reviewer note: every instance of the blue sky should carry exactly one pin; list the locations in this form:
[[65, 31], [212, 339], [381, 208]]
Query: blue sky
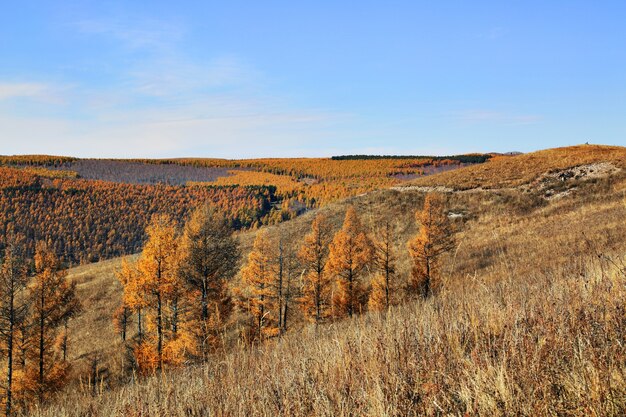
[[309, 78]]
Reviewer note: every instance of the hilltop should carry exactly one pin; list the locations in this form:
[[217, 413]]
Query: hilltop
[[524, 169]]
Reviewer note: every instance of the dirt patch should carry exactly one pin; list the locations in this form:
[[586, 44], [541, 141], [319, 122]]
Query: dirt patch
[[424, 189], [562, 183], [582, 172], [554, 185]]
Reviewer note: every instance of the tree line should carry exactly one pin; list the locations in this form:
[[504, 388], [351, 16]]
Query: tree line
[[465, 159], [90, 220], [180, 295], [87, 221]]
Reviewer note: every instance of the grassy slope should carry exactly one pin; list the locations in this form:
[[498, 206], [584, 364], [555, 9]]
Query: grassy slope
[[503, 247], [92, 334], [513, 171]]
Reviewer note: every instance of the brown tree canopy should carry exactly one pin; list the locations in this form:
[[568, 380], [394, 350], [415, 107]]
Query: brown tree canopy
[[350, 252], [426, 249], [209, 259], [384, 286], [256, 295], [315, 301], [53, 301]]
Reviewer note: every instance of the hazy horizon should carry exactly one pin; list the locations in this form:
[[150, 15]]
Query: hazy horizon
[[238, 80]]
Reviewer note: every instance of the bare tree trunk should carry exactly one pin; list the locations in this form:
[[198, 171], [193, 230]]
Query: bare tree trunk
[[280, 287], [287, 297], [10, 354], [427, 279], [318, 299], [41, 346], [350, 294], [139, 329], [159, 329], [64, 345], [175, 316]]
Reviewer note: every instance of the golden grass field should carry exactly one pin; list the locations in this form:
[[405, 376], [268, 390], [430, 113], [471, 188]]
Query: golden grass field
[[528, 319]]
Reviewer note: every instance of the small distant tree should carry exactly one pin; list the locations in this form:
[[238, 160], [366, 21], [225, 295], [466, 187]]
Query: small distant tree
[[13, 279], [426, 249], [135, 298], [384, 287], [350, 252], [315, 301], [122, 319], [209, 259]]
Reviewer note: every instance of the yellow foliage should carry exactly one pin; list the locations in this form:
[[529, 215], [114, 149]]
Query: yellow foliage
[[426, 249], [256, 295], [315, 301], [350, 252], [384, 285]]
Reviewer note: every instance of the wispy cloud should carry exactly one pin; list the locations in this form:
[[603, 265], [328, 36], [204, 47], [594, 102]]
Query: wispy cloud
[[164, 103], [159, 133], [24, 90], [175, 76], [162, 68], [476, 116], [136, 33]]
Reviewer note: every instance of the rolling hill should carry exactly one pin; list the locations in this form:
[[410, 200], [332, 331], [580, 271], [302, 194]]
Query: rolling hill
[[528, 319]]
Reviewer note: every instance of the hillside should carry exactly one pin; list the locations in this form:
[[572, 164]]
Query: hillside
[[96, 209], [500, 326], [515, 171], [543, 344]]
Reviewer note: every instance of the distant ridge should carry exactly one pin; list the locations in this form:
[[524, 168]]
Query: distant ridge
[[468, 159]]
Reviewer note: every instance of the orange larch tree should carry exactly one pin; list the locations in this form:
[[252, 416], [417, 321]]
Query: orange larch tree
[[53, 300], [315, 301], [426, 249], [135, 294], [256, 295], [122, 319], [158, 274], [209, 259], [350, 253], [287, 266], [384, 286]]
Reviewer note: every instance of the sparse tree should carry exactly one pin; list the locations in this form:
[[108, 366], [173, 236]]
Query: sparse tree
[[426, 249], [158, 273], [210, 255], [287, 266], [256, 295], [13, 279], [384, 287], [315, 301], [122, 319], [350, 252], [53, 300], [135, 293]]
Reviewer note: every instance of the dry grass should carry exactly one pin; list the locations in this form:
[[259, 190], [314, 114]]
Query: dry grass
[[528, 320], [547, 344], [514, 171], [92, 335]]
